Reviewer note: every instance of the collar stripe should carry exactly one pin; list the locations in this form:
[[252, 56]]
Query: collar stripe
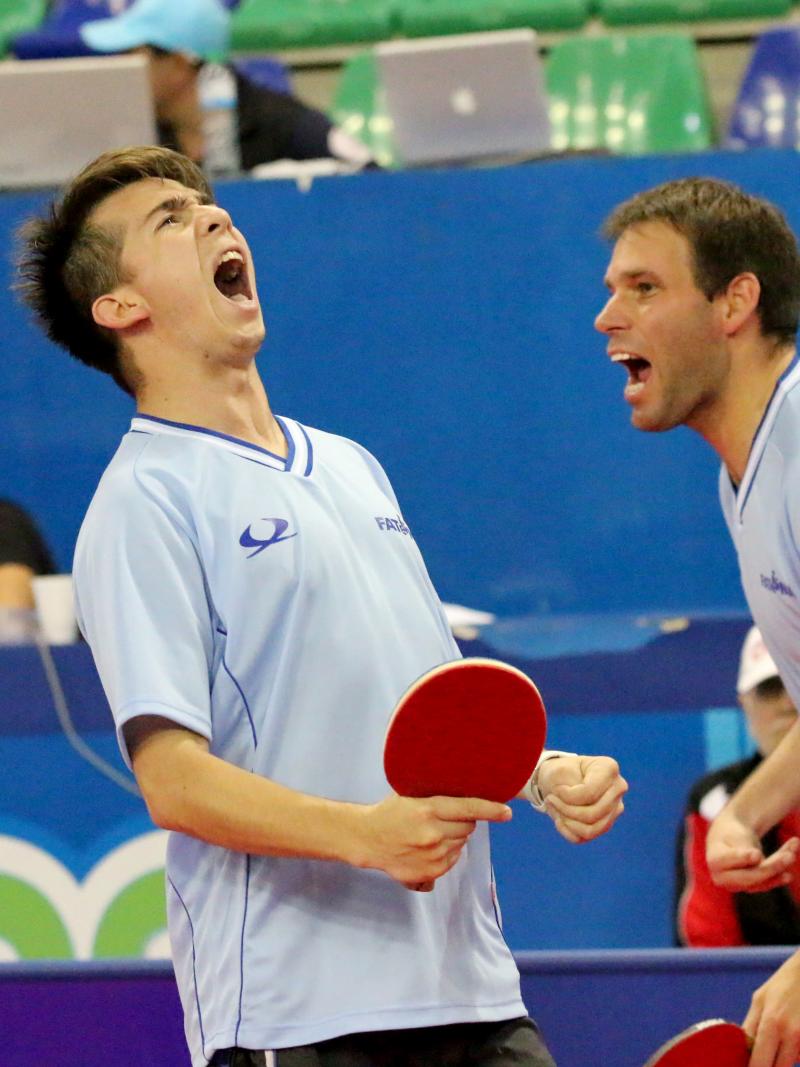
[[787, 381], [293, 431]]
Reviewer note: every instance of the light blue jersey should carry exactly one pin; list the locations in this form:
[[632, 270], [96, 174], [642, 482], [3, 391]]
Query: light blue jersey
[[764, 520], [279, 608]]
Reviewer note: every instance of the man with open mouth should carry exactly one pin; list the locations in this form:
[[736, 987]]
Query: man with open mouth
[[702, 313], [256, 605]]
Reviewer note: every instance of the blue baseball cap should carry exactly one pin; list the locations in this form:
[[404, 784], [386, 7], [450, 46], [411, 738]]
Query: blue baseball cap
[[199, 28]]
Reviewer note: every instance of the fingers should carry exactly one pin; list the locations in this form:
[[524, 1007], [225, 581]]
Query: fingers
[[586, 821], [589, 814], [600, 781], [469, 809], [776, 1039], [417, 840], [773, 1020], [752, 1019], [734, 868], [441, 866], [579, 831]]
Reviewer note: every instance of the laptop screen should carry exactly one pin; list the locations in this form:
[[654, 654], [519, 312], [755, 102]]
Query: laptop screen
[[465, 97], [56, 115]]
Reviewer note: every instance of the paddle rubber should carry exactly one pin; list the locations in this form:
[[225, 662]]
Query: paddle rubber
[[712, 1043], [470, 728]]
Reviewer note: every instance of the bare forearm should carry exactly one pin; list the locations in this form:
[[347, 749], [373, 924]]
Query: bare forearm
[[773, 789], [414, 841], [196, 793]]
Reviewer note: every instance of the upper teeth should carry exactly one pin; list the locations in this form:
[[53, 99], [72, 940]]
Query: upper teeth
[[621, 357], [232, 255]]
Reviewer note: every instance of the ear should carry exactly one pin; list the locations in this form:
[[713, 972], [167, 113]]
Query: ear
[[119, 310], [740, 302]]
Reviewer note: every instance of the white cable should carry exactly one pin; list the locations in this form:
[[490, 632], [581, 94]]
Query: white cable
[[68, 727]]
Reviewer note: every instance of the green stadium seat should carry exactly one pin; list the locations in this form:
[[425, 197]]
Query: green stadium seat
[[358, 109], [18, 16], [279, 24], [628, 94], [630, 12], [426, 18]]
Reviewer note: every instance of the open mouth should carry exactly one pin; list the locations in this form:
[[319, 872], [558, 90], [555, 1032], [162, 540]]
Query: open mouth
[[638, 371], [231, 278]]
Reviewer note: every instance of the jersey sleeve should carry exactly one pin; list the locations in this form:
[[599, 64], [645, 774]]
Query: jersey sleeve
[[141, 605], [706, 913]]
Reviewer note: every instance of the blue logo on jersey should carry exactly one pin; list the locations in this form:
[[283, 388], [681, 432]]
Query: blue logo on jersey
[[279, 528], [385, 523], [775, 585]]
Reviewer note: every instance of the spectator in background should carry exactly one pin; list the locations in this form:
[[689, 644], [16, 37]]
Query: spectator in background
[[208, 111], [23, 555], [707, 915]]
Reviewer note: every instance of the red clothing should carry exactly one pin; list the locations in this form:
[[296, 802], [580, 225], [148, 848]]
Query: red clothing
[[707, 916]]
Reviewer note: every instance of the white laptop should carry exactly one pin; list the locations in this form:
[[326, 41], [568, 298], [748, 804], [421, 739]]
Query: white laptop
[[465, 98], [56, 115]]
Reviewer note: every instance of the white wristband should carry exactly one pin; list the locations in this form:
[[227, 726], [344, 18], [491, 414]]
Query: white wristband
[[532, 791]]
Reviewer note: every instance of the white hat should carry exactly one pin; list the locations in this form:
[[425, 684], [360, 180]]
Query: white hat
[[756, 664]]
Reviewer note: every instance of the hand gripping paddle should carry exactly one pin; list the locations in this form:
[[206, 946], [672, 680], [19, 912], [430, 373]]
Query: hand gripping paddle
[[469, 728], [711, 1043]]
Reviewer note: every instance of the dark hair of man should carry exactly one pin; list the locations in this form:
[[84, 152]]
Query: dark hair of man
[[770, 688], [729, 232], [65, 261]]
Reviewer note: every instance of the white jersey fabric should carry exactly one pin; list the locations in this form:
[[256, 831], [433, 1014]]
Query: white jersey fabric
[[763, 517], [279, 608]]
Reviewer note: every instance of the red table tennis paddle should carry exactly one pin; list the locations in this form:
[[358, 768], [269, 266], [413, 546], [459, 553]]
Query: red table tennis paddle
[[711, 1043], [470, 728]]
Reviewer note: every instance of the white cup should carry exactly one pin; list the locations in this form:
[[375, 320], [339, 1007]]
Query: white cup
[[55, 609]]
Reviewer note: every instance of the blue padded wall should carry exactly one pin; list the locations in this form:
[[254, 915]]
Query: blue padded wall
[[445, 320]]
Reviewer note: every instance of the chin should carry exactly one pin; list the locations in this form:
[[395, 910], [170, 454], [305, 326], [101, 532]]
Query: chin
[[251, 338], [654, 421]]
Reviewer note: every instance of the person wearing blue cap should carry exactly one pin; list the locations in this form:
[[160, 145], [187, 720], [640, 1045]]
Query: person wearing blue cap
[[210, 111]]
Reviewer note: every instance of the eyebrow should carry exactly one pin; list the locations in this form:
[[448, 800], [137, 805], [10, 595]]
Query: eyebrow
[[175, 203], [632, 275]]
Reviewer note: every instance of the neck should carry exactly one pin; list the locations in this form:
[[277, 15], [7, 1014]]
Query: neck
[[232, 401], [732, 424]]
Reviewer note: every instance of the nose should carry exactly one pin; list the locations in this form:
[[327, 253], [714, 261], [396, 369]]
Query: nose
[[611, 317], [212, 217]]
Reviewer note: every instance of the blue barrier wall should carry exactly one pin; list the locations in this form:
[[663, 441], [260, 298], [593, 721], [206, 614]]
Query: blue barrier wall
[[609, 1009], [445, 320]]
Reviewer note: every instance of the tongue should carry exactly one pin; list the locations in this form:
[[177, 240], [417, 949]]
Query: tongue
[[229, 279], [638, 374]]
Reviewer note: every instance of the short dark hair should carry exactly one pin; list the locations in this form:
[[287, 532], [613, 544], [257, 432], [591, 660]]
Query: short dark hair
[[65, 262], [770, 688], [729, 232]]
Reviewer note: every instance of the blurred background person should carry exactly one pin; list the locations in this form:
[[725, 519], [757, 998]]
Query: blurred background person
[[208, 110], [23, 555], [708, 916]]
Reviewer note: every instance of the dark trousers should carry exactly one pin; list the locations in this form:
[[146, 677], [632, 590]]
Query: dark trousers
[[513, 1043]]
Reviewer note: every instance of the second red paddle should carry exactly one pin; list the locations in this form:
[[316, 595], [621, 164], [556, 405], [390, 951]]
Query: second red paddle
[[711, 1043]]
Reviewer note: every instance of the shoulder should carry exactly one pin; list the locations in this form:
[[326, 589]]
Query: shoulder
[[143, 478], [349, 455], [784, 430], [327, 443]]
